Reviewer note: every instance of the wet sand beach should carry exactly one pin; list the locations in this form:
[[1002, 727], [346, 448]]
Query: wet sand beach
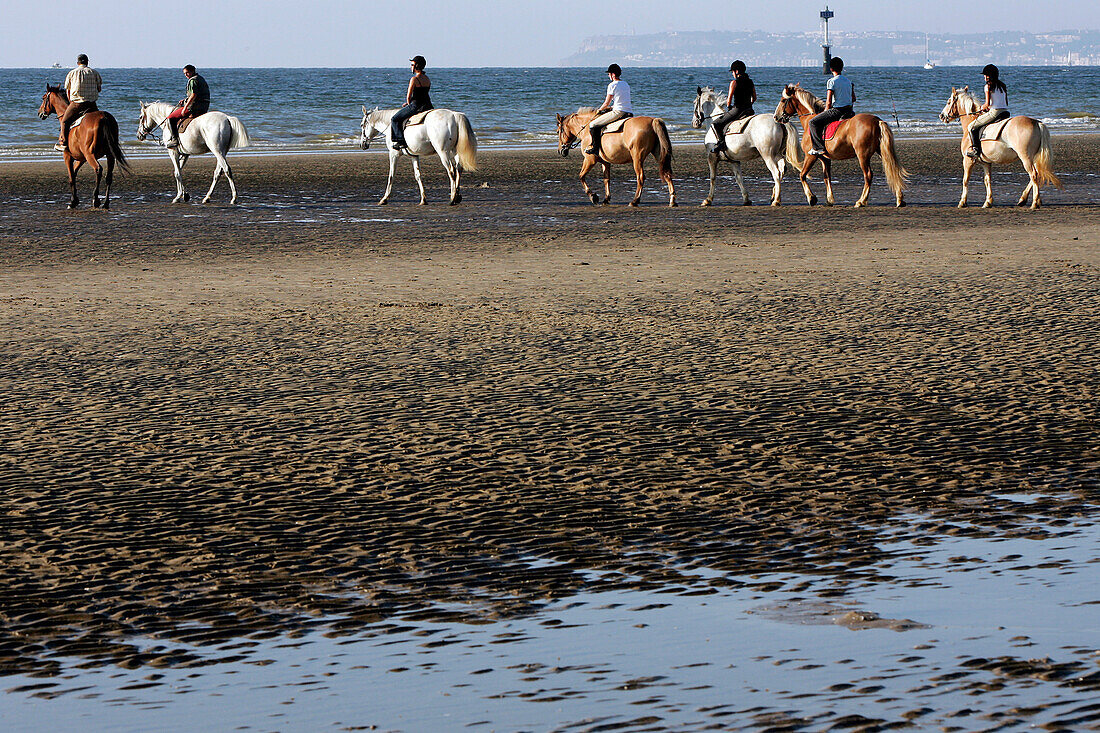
[[527, 463]]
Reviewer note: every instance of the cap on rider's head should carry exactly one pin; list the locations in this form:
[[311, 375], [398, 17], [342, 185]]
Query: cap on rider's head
[[82, 59], [738, 65], [991, 70], [614, 69], [418, 62]]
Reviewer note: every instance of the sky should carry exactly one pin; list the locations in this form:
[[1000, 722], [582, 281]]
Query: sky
[[369, 33]]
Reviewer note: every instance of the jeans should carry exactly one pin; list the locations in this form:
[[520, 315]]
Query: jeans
[[74, 110], [397, 123], [818, 123]]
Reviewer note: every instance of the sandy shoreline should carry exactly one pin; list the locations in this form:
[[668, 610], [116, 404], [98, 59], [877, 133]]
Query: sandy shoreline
[[309, 413]]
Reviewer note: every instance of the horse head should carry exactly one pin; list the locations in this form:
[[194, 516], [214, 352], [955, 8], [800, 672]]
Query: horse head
[[706, 102], [788, 104], [567, 139], [47, 107], [953, 110], [367, 127]]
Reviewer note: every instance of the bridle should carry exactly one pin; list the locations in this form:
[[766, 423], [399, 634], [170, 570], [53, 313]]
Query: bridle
[[953, 113], [144, 132], [564, 148]]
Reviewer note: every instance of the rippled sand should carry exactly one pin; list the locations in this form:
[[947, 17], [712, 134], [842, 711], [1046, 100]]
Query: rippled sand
[[234, 431]]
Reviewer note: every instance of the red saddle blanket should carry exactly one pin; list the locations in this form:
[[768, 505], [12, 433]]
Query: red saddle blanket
[[832, 127]]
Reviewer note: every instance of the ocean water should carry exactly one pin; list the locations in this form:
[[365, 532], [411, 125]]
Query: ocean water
[[316, 110]]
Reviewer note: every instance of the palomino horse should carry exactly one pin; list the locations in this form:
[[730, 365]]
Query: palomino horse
[[762, 137], [95, 137], [213, 132], [640, 138], [858, 137], [443, 132], [1021, 137]]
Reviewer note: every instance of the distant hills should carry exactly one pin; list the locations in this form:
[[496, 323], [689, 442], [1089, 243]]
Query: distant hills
[[718, 48]]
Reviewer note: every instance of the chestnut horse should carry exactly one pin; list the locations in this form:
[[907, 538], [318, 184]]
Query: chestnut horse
[[95, 137], [858, 137], [639, 138], [1023, 137]]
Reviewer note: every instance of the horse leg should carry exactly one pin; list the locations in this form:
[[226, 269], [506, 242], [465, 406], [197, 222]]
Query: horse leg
[[419, 180], [214, 181], [826, 167], [712, 163], [741, 183], [775, 167], [589, 161], [1032, 184], [803, 178], [98, 179], [865, 166], [73, 166], [639, 171], [987, 174], [968, 167], [389, 181], [177, 171], [454, 172], [606, 182], [110, 179]]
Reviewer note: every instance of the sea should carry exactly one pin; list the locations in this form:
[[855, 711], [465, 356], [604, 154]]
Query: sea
[[319, 110]]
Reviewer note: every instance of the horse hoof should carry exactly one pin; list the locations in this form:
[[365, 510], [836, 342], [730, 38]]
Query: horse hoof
[[987, 205], [457, 199], [901, 204], [633, 204], [813, 201], [747, 203], [962, 205], [594, 197], [186, 197], [706, 203], [383, 202], [858, 205]]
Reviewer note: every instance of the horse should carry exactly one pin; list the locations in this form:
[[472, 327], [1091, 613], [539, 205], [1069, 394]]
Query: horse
[[639, 138], [443, 132], [858, 137], [95, 137], [762, 137], [212, 132], [1022, 137]]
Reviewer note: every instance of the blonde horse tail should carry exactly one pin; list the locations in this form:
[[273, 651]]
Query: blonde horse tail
[[1045, 158], [467, 143], [240, 137], [664, 159], [793, 146], [895, 173]]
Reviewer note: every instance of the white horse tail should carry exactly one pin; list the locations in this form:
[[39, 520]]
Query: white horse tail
[[793, 146], [240, 137], [896, 175], [1045, 158], [467, 143]]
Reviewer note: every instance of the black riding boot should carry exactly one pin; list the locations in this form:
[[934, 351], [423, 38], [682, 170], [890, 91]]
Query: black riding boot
[[594, 148], [173, 140]]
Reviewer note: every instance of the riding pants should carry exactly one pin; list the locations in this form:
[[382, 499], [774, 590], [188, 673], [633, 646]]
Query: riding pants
[[730, 115], [397, 122], [74, 110], [819, 122], [595, 127], [986, 118]]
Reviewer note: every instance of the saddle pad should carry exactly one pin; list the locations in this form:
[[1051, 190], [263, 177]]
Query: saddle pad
[[78, 120], [831, 128], [738, 126], [185, 123], [617, 125], [417, 119], [993, 130]]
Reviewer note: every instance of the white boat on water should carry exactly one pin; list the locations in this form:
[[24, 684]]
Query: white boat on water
[[927, 61]]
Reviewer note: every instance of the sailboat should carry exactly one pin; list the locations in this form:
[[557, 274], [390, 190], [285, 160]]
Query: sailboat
[[927, 61]]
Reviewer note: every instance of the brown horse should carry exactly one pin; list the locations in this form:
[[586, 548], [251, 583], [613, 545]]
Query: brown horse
[[858, 137], [640, 138], [95, 137], [1023, 137]]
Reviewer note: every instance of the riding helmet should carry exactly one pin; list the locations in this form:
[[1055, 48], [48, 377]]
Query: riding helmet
[[991, 70], [419, 62], [614, 69], [738, 65]]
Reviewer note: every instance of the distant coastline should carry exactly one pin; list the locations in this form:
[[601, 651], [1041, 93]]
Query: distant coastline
[[874, 48]]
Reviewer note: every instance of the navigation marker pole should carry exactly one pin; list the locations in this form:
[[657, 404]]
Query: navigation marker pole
[[826, 14]]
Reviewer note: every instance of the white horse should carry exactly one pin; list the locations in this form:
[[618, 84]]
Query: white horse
[[213, 132], [762, 137], [443, 132]]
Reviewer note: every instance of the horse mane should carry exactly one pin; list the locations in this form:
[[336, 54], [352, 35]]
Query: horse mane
[[807, 97], [973, 100], [718, 98], [585, 110]]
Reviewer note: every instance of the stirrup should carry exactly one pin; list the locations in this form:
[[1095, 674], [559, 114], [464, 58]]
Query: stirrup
[[590, 150], [173, 143], [59, 147]]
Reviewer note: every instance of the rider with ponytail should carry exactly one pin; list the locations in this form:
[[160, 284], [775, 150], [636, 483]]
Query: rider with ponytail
[[739, 101], [994, 109]]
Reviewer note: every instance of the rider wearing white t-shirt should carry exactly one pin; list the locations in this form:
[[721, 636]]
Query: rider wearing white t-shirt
[[615, 106]]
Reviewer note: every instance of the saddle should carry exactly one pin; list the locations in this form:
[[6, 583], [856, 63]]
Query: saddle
[[832, 127], [993, 130], [617, 125], [417, 119], [734, 128]]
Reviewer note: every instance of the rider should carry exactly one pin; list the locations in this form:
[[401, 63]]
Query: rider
[[995, 108], [615, 106], [839, 99], [82, 86], [739, 102], [417, 100], [197, 103]]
